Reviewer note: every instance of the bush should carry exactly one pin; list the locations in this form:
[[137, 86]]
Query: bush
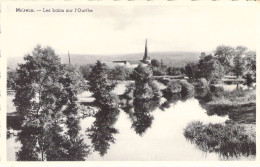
[[202, 83], [187, 89], [156, 91], [172, 88], [228, 140]]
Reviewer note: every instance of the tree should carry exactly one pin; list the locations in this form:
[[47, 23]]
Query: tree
[[155, 63], [85, 71], [210, 68], [100, 84], [224, 55], [158, 71], [144, 85], [239, 60], [102, 130], [11, 77], [44, 87], [191, 70], [120, 73], [251, 61], [239, 65]]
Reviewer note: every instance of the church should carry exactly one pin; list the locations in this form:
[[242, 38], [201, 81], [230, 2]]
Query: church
[[132, 64]]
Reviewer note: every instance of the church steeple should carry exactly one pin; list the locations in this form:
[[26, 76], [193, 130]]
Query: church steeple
[[145, 52], [69, 56]]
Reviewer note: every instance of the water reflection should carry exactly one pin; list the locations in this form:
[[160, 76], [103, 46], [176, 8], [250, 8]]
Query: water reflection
[[102, 131], [140, 114], [170, 100], [127, 135]]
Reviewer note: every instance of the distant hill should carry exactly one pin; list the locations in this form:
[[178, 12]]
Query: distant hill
[[176, 59]]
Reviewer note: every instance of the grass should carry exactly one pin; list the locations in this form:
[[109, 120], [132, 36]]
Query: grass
[[228, 140], [234, 98], [240, 105], [237, 136]]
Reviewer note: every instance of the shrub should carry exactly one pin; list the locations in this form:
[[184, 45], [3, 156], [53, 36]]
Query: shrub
[[228, 140], [187, 89], [202, 83], [172, 88], [129, 91], [156, 91]]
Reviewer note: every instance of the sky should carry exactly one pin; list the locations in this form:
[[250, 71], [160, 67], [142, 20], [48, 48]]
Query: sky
[[123, 29]]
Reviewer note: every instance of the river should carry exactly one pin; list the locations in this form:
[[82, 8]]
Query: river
[[160, 138]]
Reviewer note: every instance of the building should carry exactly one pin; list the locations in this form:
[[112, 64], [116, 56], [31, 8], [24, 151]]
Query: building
[[132, 64]]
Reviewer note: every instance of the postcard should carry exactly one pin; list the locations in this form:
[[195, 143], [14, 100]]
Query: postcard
[[98, 81]]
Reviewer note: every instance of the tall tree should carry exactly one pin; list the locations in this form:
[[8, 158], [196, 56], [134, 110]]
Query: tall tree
[[239, 60], [41, 95], [102, 130], [224, 55], [251, 61], [100, 84]]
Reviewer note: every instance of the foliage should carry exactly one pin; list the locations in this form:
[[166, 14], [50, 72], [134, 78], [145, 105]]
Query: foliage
[[158, 68], [249, 79], [228, 140], [239, 61], [172, 88], [202, 83], [187, 89], [144, 86], [99, 83], [158, 71], [155, 63], [239, 66], [85, 71], [11, 77], [174, 71], [224, 55], [102, 130], [142, 74], [251, 61], [44, 87], [191, 70], [120, 73], [210, 69]]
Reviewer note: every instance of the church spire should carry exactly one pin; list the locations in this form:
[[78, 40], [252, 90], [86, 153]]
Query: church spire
[[145, 52], [69, 56]]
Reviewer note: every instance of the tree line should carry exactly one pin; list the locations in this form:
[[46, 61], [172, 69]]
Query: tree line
[[226, 60]]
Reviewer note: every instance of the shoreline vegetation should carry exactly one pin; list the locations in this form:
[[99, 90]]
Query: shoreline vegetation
[[237, 136]]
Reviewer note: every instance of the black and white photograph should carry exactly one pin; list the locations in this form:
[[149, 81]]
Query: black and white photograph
[[135, 82]]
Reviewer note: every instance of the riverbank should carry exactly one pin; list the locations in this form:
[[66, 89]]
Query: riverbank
[[239, 105], [234, 137]]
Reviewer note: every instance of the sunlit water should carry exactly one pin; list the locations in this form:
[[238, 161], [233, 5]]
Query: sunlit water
[[164, 140]]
